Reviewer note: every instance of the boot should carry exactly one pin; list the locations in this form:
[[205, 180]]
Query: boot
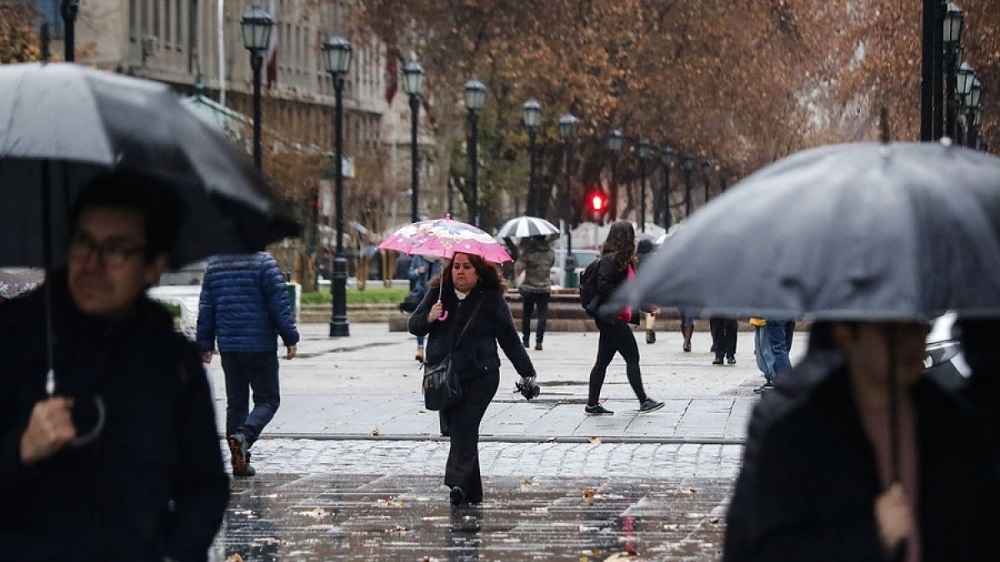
[[687, 331], [650, 336], [420, 355]]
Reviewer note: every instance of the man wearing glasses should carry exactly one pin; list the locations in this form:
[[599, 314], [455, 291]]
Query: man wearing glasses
[[147, 481]]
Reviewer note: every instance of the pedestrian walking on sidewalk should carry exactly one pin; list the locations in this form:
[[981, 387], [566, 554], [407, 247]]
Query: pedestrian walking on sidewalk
[[642, 250], [244, 306], [148, 484], [772, 344], [825, 477], [465, 315], [535, 259], [687, 317], [617, 264], [723, 339]]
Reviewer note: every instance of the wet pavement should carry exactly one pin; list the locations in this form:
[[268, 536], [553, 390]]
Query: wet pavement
[[351, 467]]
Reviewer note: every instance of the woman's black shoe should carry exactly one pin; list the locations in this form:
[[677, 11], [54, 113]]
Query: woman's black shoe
[[597, 410], [457, 495]]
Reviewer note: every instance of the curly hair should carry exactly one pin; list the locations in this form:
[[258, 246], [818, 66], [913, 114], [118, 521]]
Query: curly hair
[[620, 244], [488, 273]]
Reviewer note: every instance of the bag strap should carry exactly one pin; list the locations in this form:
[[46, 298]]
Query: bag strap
[[454, 344]]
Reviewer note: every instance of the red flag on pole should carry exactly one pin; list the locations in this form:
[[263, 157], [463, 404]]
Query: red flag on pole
[[272, 49], [391, 72]]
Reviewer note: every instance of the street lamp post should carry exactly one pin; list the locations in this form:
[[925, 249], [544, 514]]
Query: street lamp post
[[687, 165], [706, 168], [337, 56], [256, 26], [475, 97], [615, 141], [532, 120], [413, 81], [952, 37], [644, 150], [963, 84], [974, 109], [568, 125], [69, 9], [666, 157]]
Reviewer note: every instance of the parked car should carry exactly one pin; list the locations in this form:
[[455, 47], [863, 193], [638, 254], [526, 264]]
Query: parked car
[[557, 274]]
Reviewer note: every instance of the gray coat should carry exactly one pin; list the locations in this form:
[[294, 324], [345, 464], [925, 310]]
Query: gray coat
[[536, 259]]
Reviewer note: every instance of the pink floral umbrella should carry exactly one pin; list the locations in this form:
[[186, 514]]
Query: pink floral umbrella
[[443, 238]]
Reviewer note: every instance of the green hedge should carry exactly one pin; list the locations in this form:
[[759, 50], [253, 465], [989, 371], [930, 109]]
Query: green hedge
[[371, 295]]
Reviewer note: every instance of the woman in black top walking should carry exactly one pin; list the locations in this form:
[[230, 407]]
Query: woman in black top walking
[[472, 292], [616, 266]]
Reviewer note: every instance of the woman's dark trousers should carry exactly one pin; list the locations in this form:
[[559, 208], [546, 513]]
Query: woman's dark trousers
[[616, 337], [530, 301], [462, 468]]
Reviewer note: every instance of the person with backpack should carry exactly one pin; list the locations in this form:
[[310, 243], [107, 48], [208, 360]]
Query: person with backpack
[[615, 265]]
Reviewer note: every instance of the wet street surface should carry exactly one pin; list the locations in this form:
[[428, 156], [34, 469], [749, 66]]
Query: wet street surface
[[371, 500], [407, 517]]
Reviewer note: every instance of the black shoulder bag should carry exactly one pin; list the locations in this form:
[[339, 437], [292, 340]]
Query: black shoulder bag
[[441, 386]]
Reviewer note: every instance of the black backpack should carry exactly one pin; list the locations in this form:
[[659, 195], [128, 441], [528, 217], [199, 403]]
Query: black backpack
[[589, 299]]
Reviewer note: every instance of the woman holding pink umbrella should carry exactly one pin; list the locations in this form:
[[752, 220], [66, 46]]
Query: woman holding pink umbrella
[[467, 317]]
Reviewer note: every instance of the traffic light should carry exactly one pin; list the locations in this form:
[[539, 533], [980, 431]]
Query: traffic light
[[596, 204]]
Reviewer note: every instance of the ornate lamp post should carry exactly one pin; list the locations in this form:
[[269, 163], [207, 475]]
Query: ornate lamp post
[[568, 126], [532, 120], [706, 168], [644, 150], [615, 141], [974, 112], [666, 158], [337, 57], [69, 9], [256, 26], [963, 84], [413, 81], [475, 97], [952, 37], [687, 165]]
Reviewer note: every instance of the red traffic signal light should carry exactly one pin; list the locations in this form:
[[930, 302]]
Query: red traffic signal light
[[596, 204]]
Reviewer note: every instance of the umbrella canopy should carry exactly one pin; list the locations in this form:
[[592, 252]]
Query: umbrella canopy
[[522, 227], [62, 124], [855, 231], [443, 238]]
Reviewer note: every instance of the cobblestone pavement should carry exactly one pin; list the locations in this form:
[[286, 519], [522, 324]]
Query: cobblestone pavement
[[543, 502], [351, 467]]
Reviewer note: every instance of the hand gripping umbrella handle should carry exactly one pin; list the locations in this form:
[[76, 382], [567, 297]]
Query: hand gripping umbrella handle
[[89, 437]]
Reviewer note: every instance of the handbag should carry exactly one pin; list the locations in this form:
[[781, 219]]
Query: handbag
[[442, 388], [412, 300]]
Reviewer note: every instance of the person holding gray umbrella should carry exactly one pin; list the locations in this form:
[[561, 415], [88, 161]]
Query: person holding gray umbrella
[[148, 484], [535, 259]]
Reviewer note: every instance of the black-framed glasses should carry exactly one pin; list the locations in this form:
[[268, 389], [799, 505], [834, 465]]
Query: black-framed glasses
[[112, 253]]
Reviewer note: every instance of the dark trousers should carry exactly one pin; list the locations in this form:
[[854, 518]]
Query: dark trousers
[[723, 336], [530, 300], [462, 468], [246, 371], [616, 337]]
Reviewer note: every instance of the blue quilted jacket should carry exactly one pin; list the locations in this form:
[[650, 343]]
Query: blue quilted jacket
[[244, 305]]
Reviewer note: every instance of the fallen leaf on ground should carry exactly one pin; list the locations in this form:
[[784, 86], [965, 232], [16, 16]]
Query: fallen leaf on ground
[[376, 432], [594, 440], [315, 513], [234, 557]]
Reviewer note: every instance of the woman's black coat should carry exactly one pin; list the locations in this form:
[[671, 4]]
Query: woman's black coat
[[476, 353]]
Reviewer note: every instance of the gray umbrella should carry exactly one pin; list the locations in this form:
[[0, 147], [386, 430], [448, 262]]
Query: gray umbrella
[[62, 124], [862, 231]]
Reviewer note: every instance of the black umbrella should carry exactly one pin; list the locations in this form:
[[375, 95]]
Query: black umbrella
[[863, 231], [856, 231], [61, 125]]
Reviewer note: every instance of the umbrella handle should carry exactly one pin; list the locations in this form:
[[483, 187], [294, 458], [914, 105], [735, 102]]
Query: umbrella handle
[[89, 438], [443, 317]]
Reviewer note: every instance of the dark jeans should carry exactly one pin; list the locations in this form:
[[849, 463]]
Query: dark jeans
[[723, 336], [462, 468], [246, 371], [616, 337], [530, 300]]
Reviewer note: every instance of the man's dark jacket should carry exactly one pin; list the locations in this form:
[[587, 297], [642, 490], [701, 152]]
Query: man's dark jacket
[[153, 483], [476, 355], [809, 480]]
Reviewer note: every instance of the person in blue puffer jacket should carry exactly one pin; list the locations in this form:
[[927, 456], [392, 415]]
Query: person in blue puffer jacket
[[244, 306]]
